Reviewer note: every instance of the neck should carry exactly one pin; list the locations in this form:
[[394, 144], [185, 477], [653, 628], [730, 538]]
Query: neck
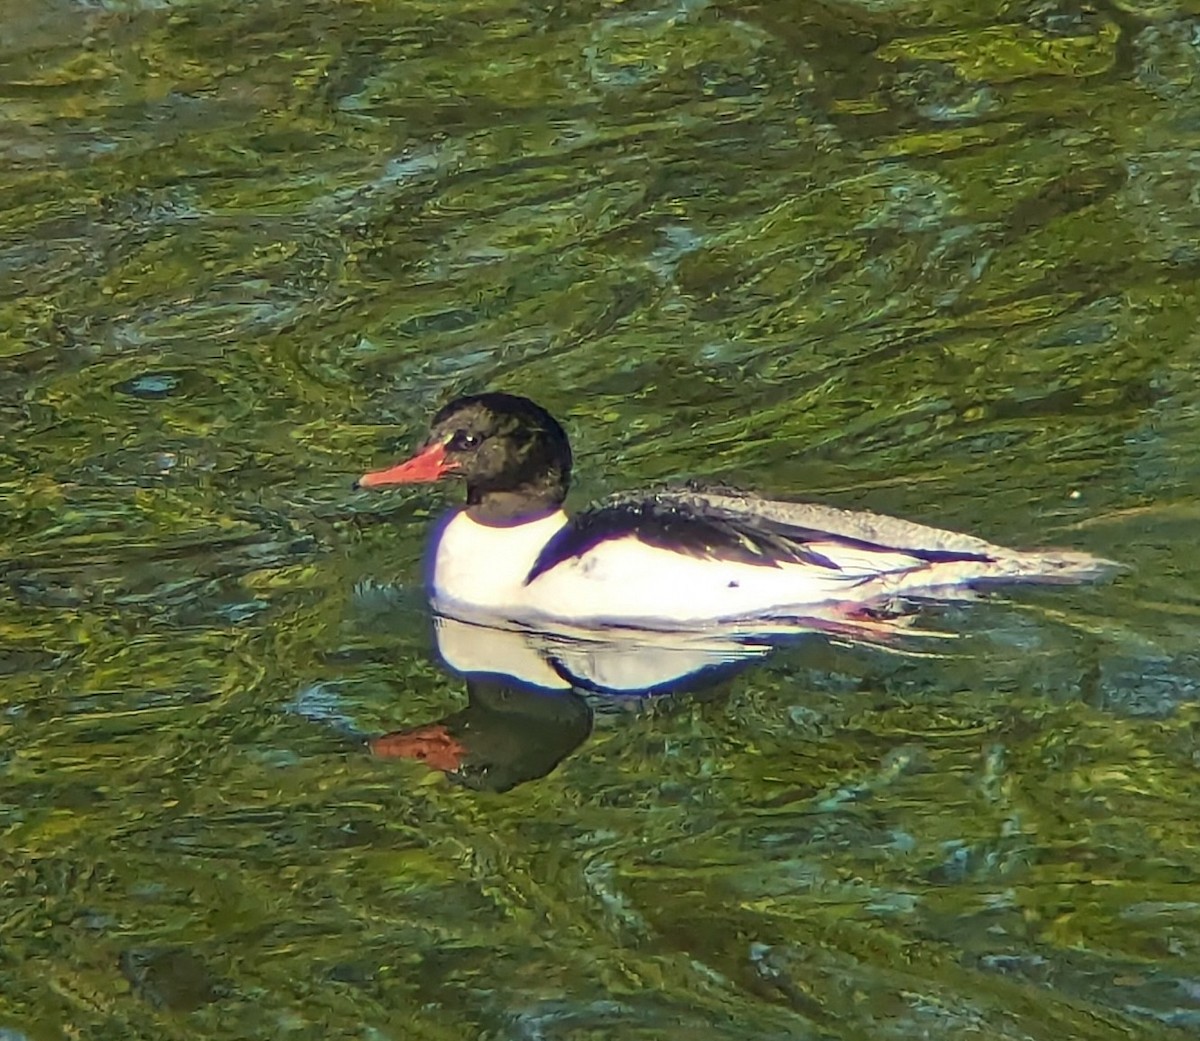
[[514, 506]]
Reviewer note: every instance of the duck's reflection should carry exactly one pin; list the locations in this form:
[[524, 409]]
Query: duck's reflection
[[505, 736], [530, 692]]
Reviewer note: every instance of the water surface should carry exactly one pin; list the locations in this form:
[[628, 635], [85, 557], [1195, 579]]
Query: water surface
[[932, 259]]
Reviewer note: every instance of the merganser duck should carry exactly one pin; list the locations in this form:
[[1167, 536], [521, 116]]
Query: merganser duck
[[672, 559]]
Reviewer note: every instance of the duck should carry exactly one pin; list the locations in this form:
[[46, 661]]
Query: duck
[[676, 558]]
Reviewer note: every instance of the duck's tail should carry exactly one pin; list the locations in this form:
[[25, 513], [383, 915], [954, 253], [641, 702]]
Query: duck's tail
[[952, 579], [1046, 566]]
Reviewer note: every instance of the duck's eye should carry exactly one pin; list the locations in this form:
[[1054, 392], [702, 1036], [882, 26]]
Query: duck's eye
[[462, 441]]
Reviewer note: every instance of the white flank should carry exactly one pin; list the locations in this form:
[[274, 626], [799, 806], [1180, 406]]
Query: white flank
[[480, 570], [479, 573]]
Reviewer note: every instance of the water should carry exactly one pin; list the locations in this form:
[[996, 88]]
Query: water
[[935, 260]]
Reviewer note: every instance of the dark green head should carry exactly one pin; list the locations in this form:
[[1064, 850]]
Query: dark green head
[[513, 454]]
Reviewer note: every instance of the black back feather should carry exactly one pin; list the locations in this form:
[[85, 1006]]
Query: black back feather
[[689, 522], [676, 523]]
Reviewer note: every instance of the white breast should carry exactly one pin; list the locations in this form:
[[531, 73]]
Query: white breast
[[484, 567]]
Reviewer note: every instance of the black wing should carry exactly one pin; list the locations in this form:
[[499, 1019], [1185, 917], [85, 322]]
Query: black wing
[[677, 522], [734, 526]]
